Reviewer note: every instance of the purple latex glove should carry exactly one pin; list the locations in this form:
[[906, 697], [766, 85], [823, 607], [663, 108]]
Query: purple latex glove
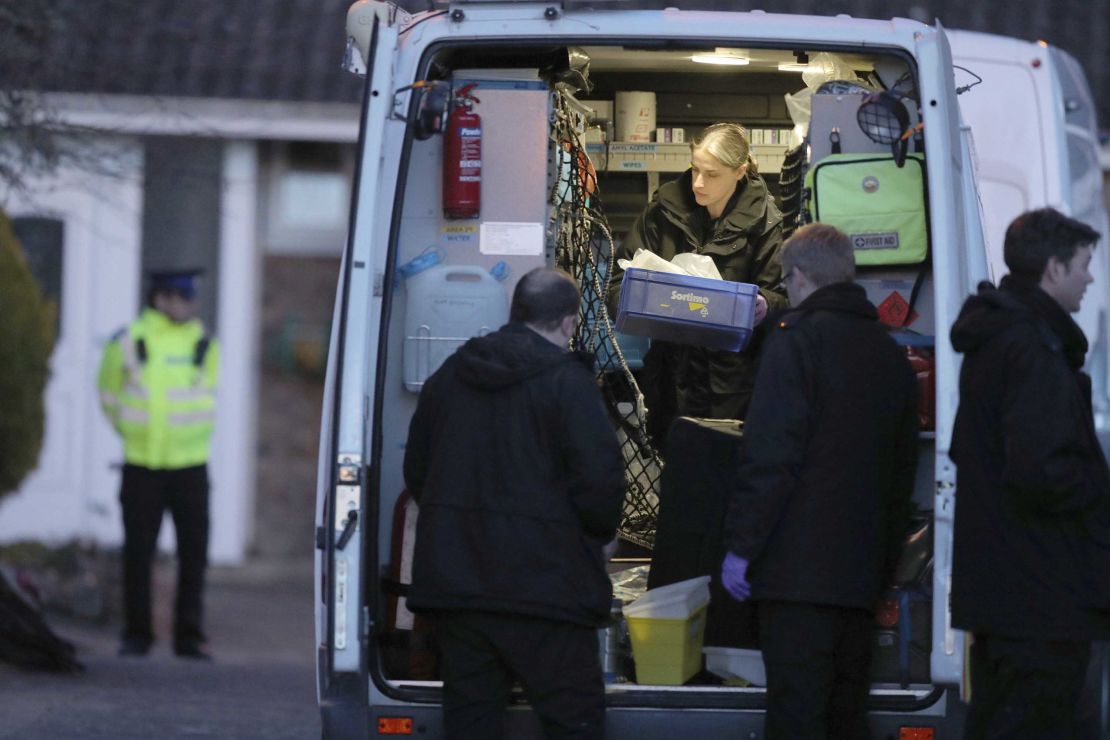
[[734, 571]]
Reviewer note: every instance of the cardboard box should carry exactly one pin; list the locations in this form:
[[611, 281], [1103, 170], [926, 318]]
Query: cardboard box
[[603, 109], [717, 314]]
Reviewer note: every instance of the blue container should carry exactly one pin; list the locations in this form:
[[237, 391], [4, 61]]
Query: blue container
[[633, 348], [717, 314]]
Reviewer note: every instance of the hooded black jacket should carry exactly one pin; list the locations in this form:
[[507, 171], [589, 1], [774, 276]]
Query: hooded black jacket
[[744, 244], [826, 476], [1030, 476], [520, 482]]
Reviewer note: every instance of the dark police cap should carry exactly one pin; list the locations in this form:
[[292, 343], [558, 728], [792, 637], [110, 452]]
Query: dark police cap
[[181, 281]]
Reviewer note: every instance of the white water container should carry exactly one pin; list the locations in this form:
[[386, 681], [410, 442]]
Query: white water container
[[445, 306]]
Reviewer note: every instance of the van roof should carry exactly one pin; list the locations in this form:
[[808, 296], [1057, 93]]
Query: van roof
[[666, 24]]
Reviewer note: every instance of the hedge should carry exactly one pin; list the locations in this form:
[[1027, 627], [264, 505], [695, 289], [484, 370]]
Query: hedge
[[26, 341]]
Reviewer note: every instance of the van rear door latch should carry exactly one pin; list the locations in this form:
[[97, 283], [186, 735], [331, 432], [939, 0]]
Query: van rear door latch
[[348, 529]]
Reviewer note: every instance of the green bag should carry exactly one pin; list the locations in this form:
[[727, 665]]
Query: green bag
[[879, 205]]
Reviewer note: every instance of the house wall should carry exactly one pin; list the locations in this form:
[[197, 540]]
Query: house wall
[[297, 297], [303, 206], [182, 183], [118, 217], [98, 204]]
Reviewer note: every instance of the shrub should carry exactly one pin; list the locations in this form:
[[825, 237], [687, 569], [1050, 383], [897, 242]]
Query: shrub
[[26, 341]]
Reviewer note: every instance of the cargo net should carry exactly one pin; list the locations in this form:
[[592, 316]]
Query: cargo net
[[584, 248]]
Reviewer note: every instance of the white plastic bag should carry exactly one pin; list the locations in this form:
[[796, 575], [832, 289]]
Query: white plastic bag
[[646, 260], [699, 265], [825, 66], [687, 263]]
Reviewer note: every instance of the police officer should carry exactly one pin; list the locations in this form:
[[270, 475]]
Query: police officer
[[157, 386]]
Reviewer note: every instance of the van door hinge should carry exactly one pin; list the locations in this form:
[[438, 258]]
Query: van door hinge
[[321, 538]]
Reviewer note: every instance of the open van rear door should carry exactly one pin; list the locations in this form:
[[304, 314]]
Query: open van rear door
[[344, 523], [959, 262]]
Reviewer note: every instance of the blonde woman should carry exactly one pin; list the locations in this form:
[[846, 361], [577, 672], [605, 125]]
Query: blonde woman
[[720, 207]]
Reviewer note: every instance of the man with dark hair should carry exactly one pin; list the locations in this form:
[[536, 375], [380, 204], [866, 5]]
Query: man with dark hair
[[1031, 485], [816, 521], [157, 387], [544, 299], [520, 482]]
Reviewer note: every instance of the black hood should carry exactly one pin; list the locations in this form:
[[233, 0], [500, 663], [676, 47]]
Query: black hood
[[842, 297], [745, 209], [985, 315], [506, 357], [993, 310]]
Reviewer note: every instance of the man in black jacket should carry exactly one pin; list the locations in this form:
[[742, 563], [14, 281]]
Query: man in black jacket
[[1031, 486], [816, 521], [520, 482]]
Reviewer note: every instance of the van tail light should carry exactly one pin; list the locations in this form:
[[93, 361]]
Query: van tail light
[[916, 733], [886, 616], [394, 725]]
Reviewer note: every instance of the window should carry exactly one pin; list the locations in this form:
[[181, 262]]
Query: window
[[43, 241], [307, 197]]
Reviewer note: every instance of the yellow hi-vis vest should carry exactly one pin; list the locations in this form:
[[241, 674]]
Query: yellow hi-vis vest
[[158, 388]]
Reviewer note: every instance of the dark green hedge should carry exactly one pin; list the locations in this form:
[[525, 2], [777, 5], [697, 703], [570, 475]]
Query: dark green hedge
[[26, 326]]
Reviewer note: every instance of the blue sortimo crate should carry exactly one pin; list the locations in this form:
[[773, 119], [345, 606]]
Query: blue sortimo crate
[[717, 314]]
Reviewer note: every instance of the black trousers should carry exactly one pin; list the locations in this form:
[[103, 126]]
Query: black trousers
[[818, 661], [556, 662], [145, 495], [1026, 689]]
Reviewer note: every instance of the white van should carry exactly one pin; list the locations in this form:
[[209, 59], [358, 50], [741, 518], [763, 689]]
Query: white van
[[1040, 149], [564, 168]]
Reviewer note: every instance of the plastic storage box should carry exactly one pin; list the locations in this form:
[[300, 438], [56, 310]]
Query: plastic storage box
[[667, 627], [717, 314]]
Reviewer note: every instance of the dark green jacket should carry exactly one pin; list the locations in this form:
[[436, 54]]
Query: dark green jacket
[[744, 244]]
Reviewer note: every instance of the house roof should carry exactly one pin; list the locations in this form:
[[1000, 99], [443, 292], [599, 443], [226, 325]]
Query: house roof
[[284, 50], [290, 50]]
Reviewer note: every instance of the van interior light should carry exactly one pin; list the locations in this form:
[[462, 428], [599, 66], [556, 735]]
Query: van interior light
[[797, 67], [721, 56]]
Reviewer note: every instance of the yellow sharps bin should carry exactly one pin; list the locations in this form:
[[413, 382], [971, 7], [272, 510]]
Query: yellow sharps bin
[[667, 627]]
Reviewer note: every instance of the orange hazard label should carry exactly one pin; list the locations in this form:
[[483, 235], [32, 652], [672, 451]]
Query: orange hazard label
[[892, 311]]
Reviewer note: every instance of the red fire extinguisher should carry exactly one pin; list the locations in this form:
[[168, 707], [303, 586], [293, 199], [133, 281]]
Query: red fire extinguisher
[[462, 158]]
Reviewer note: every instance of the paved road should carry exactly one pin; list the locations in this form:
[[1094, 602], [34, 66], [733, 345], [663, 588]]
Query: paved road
[[261, 685]]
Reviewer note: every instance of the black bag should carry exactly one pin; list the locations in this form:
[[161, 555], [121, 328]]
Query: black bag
[[25, 638], [701, 457]]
